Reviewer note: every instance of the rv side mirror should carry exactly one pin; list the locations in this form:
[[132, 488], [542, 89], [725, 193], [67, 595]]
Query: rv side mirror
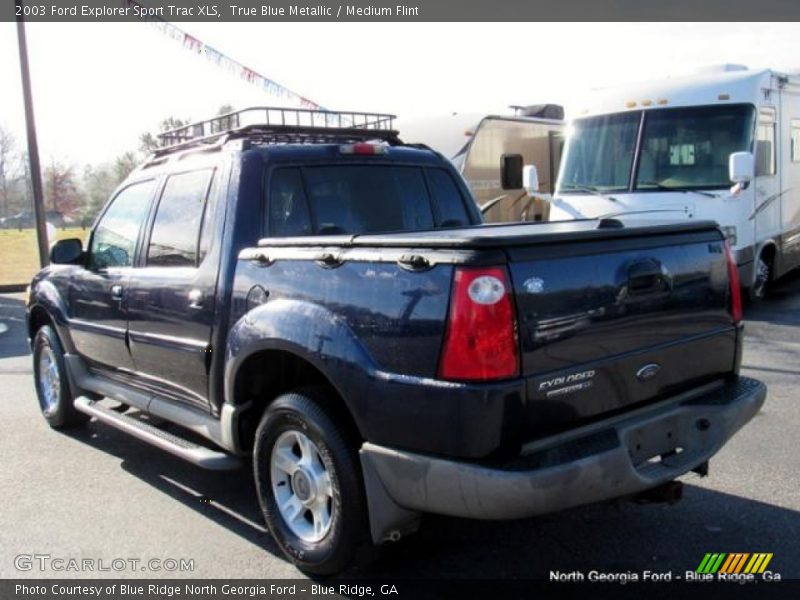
[[741, 167], [511, 171], [66, 252], [530, 179]]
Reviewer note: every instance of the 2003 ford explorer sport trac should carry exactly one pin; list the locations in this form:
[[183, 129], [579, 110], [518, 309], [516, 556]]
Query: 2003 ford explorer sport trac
[[310, 291]]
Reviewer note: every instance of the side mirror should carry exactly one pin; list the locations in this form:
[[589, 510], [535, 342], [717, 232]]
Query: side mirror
[[741, 167], [66, 252], [530, 179], [511, 171]]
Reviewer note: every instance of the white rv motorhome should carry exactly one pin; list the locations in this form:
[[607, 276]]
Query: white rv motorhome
[[475, 144], [722, 145]]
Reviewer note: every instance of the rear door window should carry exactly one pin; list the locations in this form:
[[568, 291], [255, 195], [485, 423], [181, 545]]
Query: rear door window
[[176, 229], [359, 199]]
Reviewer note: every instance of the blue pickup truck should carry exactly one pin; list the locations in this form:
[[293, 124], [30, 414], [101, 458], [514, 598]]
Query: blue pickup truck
[[309, 293]]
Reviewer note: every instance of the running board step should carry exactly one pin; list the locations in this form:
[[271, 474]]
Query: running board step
[[178, 446]]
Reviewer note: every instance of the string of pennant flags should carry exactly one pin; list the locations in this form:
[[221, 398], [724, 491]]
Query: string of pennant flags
[[220, 60]]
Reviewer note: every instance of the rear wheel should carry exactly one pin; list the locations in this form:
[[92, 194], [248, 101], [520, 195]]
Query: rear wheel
[[309, 482], [52, 383]]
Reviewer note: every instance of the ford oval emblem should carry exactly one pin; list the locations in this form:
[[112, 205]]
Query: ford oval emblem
[[647, 372], [534, 285]]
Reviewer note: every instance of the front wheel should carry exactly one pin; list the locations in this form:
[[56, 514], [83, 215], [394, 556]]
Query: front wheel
[[309, 482], [52, 383], [758, 290]]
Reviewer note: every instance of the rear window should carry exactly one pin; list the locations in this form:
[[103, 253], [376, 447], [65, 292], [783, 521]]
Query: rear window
[[358, 199]]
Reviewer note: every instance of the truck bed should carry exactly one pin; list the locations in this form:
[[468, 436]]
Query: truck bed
[[608, 318]]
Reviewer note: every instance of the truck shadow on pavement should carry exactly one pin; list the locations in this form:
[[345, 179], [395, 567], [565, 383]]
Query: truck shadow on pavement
[[607, 537], [226, 497], [614, 536]]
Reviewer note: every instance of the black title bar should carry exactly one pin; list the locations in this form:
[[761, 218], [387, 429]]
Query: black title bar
[[406, 10], [381, 589]]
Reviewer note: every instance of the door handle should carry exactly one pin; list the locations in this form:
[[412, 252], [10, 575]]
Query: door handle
[[195, 299], [116, 291], [647, 277]]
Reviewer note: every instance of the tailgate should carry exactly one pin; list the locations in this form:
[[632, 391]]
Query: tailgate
[[609, 325]]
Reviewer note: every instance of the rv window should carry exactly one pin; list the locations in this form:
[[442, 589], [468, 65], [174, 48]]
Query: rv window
[[600, 154], [795, 140], [765, 144], [689, 148]]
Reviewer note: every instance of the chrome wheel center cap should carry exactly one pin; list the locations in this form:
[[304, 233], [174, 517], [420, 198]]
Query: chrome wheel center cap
[[304, 487]]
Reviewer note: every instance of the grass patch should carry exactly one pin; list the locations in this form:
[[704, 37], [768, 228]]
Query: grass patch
[[19, 256]]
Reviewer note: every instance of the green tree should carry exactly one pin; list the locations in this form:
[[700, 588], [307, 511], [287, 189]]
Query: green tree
[[124, 165], [100, 181], [148, 141], [228, 122]]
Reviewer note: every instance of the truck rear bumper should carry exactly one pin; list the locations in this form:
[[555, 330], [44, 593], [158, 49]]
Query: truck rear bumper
[[609, 459]]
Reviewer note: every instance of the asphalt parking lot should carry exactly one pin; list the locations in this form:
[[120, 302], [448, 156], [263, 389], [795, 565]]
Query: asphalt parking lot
[[96, 493]]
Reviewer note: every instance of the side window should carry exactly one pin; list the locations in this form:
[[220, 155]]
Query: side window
[[207, 227], [176, 229], [288, 205], [114, 238], [448, 199], [765, 144], [795, 140]]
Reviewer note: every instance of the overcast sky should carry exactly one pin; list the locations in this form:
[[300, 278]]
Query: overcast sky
[[98, 86]]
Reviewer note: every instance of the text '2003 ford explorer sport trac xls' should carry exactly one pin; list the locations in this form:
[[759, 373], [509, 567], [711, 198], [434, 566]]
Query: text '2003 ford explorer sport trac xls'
[[326, 299]]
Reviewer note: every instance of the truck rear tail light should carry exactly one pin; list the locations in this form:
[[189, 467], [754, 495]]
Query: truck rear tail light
[[480, 342], [362, 148], [736, 288]]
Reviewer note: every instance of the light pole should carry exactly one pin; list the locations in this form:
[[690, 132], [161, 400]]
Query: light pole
[[33, 148]]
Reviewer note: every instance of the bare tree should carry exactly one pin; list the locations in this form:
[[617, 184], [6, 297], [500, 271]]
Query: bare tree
[[61, 188], [8, 160]]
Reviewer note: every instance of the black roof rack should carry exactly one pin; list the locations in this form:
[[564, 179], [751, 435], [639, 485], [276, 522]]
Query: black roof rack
[[276, 125]]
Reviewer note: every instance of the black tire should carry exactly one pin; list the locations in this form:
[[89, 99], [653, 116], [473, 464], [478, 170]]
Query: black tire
[[57, 408], [763, 276], [306, 411]]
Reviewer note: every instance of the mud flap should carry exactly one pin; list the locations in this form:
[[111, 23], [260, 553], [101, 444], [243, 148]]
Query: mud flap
[[388, 521]]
